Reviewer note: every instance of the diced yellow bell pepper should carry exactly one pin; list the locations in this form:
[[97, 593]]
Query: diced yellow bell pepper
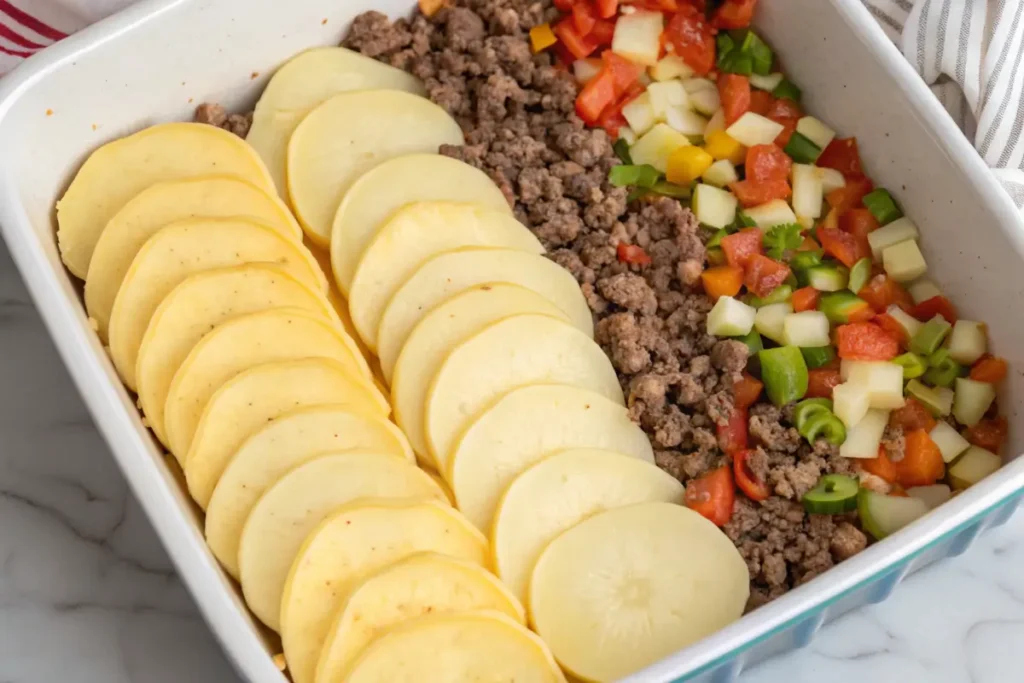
[[721, 145], [687, 164], [542, 37]]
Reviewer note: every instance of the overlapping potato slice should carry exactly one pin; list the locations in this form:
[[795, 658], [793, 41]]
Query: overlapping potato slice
[[514, 352], [163, 203], [346, 136], [359, 538], [413, 235], [291, 508], [632, 585], [258, 395], [444, 275], [404, 180], [524, 426], [185, 248], [285, 443], [559, 492], [425, 583], [305, 81], [197, 305], [275, 334]]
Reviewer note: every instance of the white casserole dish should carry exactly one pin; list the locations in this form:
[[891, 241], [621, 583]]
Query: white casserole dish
[[160, 58]]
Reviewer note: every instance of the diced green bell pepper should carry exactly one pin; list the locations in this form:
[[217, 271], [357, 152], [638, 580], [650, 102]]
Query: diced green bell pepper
[[621, 149], [818, 356], [779, 295], [808, 408], [634, 175], [801, 149], [825, 426], [787, 90], [882, 206], [753, 342], [784, 374]]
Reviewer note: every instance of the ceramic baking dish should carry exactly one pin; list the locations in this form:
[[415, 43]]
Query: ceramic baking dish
[[160, 58]]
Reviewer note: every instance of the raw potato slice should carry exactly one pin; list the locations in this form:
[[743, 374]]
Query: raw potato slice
[[524, 426], [348, 135], [471, 646], [121, 169], [186, 248], [258, 395], [304, 82], [285, 443], [630, 586], [444, 275], [426, 583], [372, 200], [441, 330], [160, 205], [299, 501], [196, 306], [561, 491], [514, 352], [276, 334], [359, 538], [411, 237]]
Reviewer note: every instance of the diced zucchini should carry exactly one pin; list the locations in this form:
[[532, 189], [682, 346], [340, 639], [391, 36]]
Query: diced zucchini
[[806, 222], [904, 261], [930, 335], [972, 400], [666, 96], [730, 318], [922, 290], [831, 179], [862, 440], [909, 323], [807, 328], [715, 123], [807, 191], [753, 129], [713, 207], [884, 382], [637, 36], [968, 341], [686, 121], [973, 466], [850, 403], [585, 69], [770, 214], [720, 173], [827, 277], [692, 85], [769, 82], [707, 102], [815, 131], [933, 496], [639, 114], [939, 401], [670, 67], [779, 295], [656, 146], [883, 515], [770, 321], [949, 441], [898, 231], [801, 150], [839, 306], [848, 367], [860, 275]]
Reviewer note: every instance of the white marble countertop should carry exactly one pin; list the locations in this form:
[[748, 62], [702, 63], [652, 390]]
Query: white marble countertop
[[87, 595]]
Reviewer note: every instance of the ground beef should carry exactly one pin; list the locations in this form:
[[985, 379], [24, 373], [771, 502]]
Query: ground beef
[[895, 442], [216, 115]]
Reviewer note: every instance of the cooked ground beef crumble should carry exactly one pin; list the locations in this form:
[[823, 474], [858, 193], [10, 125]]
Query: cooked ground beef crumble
[[517, 112]]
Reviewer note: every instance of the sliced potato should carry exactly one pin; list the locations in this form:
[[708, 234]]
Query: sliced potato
[[411, 237], [285, 443], [372, 200], [469, 646], [258, 395], [514, 352], [267, 336], [525, 425], [304, 82], [454, 271], [559, 492], [441, 330], [193, 308], [121, 169], [359, 538], [301, 499], [425, 583], [630, 586], [349, 134], [185, 248], [164, 203]]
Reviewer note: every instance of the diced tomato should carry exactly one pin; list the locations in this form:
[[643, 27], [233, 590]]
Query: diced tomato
[[734, 91], [732, 436], [722, 281], [579, 45], [843, 246], [584, 17], [988, 434], [746, 391], [859, 223], [597, 94], [752, 193], [880, 466], [913, 415], [564, 5], [760, 101], [805, 299], [890, 325], [865, 341], [740, 246], [624, 73], [861, 315], [842, 199], [882, 291], [821, 382], [786, 112], [767, 163], [937, 305], [922, 463], [990, 369], [734, 14], [563, 58], [692, 39], [842, 154], [612, 120], [632, 254], [764, 274], [808, 244], [747, 480], [606, 9], [603, 32], [712, 495]]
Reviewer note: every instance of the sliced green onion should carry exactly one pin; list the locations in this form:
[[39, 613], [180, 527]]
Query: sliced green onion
[[784, 374], [779, 295], [801, 149], [808, 408], [833, 495], [882, 206], [825, 426], [716, 239], [667, 189], [787, 90], [753, 342], [942, 370], [818, 356], [621, 149], [913, 365], [804, 260], [860, 274], [632, 175], [930, 337]]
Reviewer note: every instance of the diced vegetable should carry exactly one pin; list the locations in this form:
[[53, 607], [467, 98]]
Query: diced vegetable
[[769, 82], [787, 90], [883, 515], [930, 336], [900, 230], [667, 95], [732, 436], [805, 299], [784, 374], [687, 164], [937, 305], [734, 93], [657, 145], [720, 173], [808, 408], [842, 154], [990, 369], [865, 341], [746, 479], [844, 307], [882, 206], [807, 192], [692, 85], [730, 318], [770, 214], [908, 324], [846, 248], [972, 400], [827, 277], [764, 274], [938, 401], [632, 254], [862, 439], [753, 129], [740, 246], [913, 415], [638, 36], [780, 295], [753, 341], [968, 341], [687, 122], [721, 145], [746, 390], [942, 369], [949, 441], [639, 113], [933, 496], [722, 281], [621, 149], [627, 135], [834, 494], [712, 495], [706, 102], [821, 382], [770, 321], [630, 175], [803, 261], [831, 179], [989, 434], [818, 356], [815, 131], [884, 382], [824, 426], [712, 206], [801, 149], [922, 463], [880, 466], [904, 261], [922, 290], [851, 403], [973, 466], [809, 328], [860, 274], [670, 67], [913, 365], [542, 37]]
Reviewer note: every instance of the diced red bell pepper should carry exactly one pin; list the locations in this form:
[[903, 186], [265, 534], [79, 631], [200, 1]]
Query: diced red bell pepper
[[734, 91], [579, 45], [624, 72], [786, 112], [880, 466], [805, 299], [858, 222], [712, 495], [740, 246], [821, 382], [732, 436], [842, 154], [596, 96], [990, 369], [865, 341], [882, 291], [606, 9], [734, 14], [747, 480], [603, 32], [722, 281], [989, 434], [922, 463], [584, 17], [913, 415], [843, 246], [692, 39], [746, 391], [764, 274], [564, 5], [632, 254], [760, 101], [752, 193], [937, 305], [767, 163], [842, 199]]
